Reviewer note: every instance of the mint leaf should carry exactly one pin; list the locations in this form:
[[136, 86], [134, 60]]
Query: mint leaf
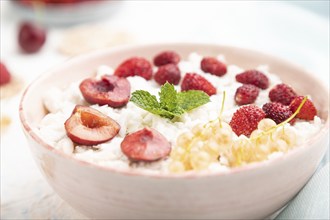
[[191, 99], [168, 97], [172, 114], [172, 104], [149, 102], [178, 111], [145, 100]]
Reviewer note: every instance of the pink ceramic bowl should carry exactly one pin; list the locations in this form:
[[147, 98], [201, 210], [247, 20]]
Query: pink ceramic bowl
[[251, 192]]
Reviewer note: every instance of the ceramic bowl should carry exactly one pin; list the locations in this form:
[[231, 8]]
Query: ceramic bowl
[[250, 192], [65, 14]]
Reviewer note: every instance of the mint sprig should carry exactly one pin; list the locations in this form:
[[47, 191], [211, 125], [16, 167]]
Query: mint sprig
[[168, 97], [171, 103]]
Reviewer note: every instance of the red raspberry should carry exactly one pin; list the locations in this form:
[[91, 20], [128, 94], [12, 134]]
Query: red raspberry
[[246, 119], [253, 77], [307, 112], [282, 93], [277, 112], [193, 81], [166, 57], [168, 73], [246, 94], [213, 66], [4, 75], [135, 66]]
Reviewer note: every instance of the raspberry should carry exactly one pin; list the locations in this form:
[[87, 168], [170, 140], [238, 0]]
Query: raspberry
[[307, 112], [246, 94], [168, 73], [253, 77], [193, 81], [135, 66], [277, 112], [213, 66], [4, 75], [246, 119], [166, 57], [282, 93]]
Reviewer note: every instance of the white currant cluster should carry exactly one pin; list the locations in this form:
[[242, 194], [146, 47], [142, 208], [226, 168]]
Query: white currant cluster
[[264, 141], [202, 146], [209, 143], [206, 144]]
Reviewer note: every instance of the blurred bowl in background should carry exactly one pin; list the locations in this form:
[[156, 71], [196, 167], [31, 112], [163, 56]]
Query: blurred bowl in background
[[64, 12]]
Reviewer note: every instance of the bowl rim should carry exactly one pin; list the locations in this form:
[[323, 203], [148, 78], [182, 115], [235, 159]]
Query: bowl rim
[[189, 174], [57, 6]]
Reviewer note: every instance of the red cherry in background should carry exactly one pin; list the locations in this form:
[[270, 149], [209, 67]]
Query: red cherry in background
[[31, 37], [4, 75]]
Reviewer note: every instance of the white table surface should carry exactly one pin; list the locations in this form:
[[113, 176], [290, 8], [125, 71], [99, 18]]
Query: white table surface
[[278, 28]]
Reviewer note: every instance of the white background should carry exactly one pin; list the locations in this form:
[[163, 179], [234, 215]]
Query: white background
[[283, 29]]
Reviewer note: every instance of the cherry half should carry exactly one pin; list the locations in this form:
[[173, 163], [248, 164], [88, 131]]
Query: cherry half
[[145, 145], [88, 126], [110, 90]]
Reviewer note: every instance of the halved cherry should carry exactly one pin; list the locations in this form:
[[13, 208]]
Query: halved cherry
[[88, 126], [110, 90], [145, 145]]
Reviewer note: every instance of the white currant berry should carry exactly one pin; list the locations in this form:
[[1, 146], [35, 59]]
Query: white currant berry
[[207, 132], [259, 137], [266, 124], [287, 134], [176, 167], [178, 153], [184, 139], [197, 129], [278, 145], [196, 144], [212, 147], [200, 160], [223, 137]]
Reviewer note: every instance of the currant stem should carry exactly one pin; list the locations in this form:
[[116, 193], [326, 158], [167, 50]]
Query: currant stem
[[221, 110], [270, 130], [222, 107]]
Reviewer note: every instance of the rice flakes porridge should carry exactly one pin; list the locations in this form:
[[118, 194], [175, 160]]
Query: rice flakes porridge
[[186, 134]]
